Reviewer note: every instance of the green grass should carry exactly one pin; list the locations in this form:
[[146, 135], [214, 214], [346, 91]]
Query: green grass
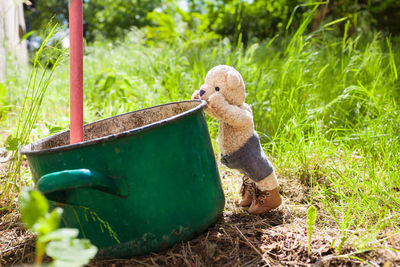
[[326, 107], [31, 100]]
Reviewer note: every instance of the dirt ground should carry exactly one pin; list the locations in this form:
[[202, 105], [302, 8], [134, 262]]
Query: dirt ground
[[278, 238]]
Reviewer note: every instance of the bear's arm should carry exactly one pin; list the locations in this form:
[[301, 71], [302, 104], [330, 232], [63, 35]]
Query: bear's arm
[[208, 110], [230, 114]]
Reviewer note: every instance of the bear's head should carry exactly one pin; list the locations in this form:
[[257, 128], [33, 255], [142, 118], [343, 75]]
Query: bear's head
[[227, 81]]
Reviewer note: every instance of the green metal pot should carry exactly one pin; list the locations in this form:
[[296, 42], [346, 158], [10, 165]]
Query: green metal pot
[[139, 183]]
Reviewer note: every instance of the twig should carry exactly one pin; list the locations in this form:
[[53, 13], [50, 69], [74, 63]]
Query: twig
[[295, 263], [12, 248], [267, 260], [230, 238], [344, 257], [152, 260], [141, 262]]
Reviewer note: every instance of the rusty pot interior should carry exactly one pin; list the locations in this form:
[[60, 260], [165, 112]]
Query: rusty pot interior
[[118, 125]]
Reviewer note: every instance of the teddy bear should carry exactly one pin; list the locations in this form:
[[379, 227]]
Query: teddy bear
[[224, 91]]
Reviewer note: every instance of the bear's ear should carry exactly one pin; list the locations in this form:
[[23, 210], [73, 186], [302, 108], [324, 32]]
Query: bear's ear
[[233, 79]]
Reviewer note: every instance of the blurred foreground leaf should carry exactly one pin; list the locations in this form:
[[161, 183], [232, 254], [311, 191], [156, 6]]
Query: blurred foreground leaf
[[33, 207]]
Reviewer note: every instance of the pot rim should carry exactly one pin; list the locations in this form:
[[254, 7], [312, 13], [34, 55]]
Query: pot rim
[[26, 150]]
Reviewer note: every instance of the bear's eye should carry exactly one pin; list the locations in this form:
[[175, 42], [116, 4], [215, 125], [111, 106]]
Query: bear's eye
[[217, 88]]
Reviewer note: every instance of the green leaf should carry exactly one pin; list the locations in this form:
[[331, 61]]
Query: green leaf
[[59, 234], [55, 129], [33, 207], [26, 36], [3, 94], [11, 143], [71, 252], [334, 22], [48, 223], [3, 100], [311, 216]]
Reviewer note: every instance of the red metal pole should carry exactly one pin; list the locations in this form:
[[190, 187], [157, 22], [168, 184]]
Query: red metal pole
[[76, 70]]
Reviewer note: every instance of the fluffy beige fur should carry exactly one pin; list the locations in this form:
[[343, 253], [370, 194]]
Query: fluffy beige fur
[[224, 90]]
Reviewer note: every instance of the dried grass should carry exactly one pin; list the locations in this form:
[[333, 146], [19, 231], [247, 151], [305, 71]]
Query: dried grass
[[278, 238]]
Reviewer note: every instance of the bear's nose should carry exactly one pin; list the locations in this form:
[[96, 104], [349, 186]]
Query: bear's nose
[[202, 92]]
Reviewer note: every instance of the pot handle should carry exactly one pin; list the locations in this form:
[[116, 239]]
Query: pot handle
[[52, 185]]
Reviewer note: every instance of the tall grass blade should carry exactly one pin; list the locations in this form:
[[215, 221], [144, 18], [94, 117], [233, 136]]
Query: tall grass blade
[[40, 79]]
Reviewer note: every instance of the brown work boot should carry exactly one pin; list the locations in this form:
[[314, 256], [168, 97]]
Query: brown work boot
[[247, 192], [265, 201]]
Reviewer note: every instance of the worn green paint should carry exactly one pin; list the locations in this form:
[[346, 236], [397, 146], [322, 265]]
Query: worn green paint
[[154, 187]]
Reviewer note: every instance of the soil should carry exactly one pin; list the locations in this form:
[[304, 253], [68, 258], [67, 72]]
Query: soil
[[278, 238]]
